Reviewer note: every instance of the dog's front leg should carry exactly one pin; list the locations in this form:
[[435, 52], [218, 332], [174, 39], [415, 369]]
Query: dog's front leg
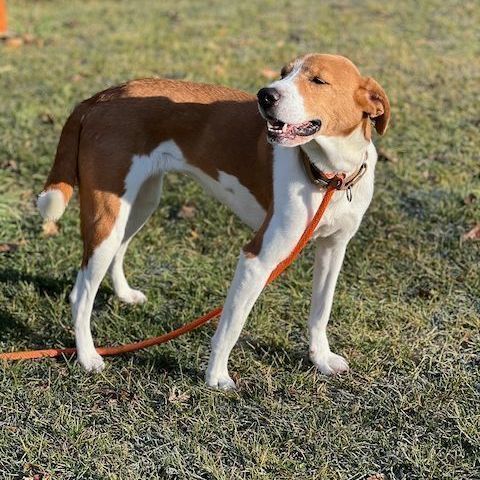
[[329, 256], [253, 270], [248, 282]]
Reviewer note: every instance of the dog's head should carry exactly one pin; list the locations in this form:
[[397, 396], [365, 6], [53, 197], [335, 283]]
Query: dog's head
[[322, 95]]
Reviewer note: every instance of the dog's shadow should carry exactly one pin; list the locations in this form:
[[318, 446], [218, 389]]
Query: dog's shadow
[[268, 350], [14, 328], [164, 363], [41, 283]]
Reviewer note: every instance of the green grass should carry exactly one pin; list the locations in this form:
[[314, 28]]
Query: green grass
[[407, 306]]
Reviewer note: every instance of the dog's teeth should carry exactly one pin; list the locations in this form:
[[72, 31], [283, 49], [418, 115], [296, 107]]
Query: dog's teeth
[[285, 127]]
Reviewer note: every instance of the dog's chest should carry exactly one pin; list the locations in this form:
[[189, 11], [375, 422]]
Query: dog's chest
[[342, 215], [297, 199]]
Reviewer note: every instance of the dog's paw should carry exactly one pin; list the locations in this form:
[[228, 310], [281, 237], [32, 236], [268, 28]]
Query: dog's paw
[[222, 382], [132, 297], [92, 363], [330, 364]]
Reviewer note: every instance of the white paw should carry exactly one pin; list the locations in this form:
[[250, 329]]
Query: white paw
[[132, 296], [222, 382], [330, 363], [92, 363]]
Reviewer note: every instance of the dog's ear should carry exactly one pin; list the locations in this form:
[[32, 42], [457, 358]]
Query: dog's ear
[[374, 101]]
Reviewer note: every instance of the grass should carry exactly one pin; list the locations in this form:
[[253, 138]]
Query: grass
[[407, 306]]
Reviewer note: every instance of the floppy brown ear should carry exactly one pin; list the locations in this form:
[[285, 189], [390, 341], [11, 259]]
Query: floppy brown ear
[[374, 102]]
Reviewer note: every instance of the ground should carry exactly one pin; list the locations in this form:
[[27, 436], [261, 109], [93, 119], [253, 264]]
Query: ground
[[407, 307]]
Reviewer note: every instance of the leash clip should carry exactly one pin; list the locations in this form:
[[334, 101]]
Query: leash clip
[[340, 185]]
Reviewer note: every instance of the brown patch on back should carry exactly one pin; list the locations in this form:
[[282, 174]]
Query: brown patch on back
[[216, 128]]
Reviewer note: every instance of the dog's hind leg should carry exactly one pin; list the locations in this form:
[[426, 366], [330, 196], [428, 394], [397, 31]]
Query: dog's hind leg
[[146, 202], [104, 218]]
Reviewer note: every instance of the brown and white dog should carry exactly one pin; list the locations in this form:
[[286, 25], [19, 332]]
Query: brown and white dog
[[118, 144]]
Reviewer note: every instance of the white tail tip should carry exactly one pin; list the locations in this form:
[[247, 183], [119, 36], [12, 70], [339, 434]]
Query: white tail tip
[[51, 204]]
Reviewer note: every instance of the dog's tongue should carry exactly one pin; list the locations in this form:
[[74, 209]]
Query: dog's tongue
[[289, 130]]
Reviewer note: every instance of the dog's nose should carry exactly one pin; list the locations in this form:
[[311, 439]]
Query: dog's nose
[[267, 97]]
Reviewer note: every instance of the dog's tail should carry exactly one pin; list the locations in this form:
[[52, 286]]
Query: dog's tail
[[62, 178]]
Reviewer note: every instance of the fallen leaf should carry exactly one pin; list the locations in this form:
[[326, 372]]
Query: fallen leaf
[[26, 195], [187, 211], [29, 38], [77, 77], [384, 156], [428, 176], [269, 74], [47, 118], [14, 42], [219, 70], [470, 199], [38, 476], [175, 396], [10, 247], [11, 165], [473, 234], [50, 229]]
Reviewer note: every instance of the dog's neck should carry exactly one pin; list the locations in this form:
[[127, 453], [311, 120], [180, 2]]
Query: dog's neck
[[338, 154]]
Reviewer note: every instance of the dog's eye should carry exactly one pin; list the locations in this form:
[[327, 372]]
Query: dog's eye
[[319, 81]]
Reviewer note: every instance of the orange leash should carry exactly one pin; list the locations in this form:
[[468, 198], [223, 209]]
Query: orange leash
[[150, 342]]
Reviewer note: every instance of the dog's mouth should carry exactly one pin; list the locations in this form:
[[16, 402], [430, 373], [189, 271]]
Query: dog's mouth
[[278, 130]]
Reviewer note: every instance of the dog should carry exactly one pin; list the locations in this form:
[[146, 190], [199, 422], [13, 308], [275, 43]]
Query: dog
[[264, 157]]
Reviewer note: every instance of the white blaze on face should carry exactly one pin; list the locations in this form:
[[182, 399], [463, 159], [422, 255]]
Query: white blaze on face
[[290, 108]]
